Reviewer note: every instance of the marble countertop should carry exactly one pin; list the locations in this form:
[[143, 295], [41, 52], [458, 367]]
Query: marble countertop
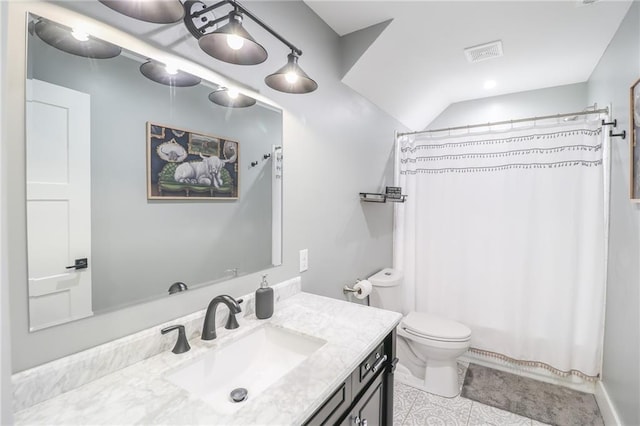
[[141, 394]]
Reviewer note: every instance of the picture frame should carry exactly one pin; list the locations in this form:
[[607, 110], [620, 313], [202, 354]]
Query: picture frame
[[634, 153], [188, 165]]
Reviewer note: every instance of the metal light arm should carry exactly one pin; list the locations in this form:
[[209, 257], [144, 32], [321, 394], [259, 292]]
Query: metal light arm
[[266, 27], [197, 32], [208, 9], [210, 24]]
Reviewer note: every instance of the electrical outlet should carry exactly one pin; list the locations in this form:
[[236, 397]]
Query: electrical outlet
[[304, 260]]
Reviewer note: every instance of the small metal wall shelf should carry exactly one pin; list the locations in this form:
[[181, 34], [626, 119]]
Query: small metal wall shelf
[[376, 197]]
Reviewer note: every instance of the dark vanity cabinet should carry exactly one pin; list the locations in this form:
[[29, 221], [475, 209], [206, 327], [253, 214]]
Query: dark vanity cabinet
[[365, 398]]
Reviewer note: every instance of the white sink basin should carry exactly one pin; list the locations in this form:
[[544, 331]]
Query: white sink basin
[[253, 362]]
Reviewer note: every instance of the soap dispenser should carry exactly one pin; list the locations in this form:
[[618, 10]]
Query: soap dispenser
[[264, 300]]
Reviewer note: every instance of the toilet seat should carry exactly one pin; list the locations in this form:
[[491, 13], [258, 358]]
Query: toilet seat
[[433, 327]]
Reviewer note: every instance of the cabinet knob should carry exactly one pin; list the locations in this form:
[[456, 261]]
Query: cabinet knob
[[359, 421]]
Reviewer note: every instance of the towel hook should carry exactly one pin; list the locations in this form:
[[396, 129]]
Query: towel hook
[[622, 135]]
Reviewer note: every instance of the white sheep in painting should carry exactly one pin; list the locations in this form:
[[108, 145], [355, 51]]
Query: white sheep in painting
[[205, 172]]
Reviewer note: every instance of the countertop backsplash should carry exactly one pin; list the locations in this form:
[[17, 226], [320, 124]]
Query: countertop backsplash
[[56, 377]]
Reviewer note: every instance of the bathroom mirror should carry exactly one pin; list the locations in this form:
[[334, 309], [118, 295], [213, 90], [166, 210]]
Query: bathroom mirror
[[99, 136]]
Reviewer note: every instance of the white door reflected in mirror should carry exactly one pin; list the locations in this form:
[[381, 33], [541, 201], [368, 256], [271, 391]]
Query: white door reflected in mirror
[[58, 203]]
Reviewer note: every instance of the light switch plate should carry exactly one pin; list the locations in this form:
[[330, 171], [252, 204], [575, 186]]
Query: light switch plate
[[304, 260]]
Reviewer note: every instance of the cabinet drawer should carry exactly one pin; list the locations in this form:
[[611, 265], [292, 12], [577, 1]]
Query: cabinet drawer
[[334, 407], [369, 367], [369, 410], [367, 394]]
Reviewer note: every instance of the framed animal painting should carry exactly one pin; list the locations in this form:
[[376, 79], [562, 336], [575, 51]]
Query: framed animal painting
[[185, 165]]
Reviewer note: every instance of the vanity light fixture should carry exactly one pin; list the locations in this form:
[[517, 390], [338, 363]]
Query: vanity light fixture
[[170, 69], [168, 75], [74, 41], [291, 78], [79, 35], [230, 98], [155, 11], [231, 42]]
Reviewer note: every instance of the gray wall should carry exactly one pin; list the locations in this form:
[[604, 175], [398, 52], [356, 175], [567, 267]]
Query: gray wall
[[336, 144], [355, 44], [617, 70], [6, 416], [141, 247], [554, 100]]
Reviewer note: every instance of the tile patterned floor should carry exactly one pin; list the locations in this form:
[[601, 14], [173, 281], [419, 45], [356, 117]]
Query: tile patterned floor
[[415, 407]]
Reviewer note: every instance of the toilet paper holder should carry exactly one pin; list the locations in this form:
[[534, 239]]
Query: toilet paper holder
[[346, 289], [361, 290]]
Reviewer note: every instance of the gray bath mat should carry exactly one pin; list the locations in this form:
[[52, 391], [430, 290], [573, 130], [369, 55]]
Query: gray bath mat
[[531, 398]]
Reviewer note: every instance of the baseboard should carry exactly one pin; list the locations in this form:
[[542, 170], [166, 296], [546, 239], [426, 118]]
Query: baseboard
[[607, 409], [540, 374]]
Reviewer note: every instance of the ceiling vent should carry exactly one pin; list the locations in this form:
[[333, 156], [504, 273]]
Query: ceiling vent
[[482, 52]]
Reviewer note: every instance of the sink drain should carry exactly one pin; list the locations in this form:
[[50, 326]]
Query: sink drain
[[238, 394]]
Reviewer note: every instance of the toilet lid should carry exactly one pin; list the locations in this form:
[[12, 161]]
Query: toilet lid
[[434, 327]]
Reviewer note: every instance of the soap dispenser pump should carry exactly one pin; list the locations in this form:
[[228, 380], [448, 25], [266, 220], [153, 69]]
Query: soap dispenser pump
[[264, 300]]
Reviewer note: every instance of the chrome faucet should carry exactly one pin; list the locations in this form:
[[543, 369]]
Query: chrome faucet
[[209, 327]]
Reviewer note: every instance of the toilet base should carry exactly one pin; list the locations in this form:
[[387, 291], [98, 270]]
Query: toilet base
[[439, 377], [403, 375]]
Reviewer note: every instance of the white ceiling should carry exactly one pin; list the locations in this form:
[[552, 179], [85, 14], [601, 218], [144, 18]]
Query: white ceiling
[[416, 67]]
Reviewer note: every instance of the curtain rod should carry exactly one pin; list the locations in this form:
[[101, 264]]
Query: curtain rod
[[519, 120]]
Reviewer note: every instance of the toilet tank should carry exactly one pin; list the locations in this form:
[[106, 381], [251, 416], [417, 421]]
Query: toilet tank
[[387, 289]]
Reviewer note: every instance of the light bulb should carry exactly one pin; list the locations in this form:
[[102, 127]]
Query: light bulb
[[171, 70], [291, 77], [235, 42], [232, 93], [79, 35]]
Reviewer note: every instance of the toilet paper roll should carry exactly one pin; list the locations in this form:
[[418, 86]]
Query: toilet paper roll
[[364, 289]]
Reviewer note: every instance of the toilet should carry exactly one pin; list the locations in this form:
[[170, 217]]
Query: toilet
[[427, 345]]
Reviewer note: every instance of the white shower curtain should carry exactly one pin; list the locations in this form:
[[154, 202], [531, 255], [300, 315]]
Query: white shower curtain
[[505, 232]]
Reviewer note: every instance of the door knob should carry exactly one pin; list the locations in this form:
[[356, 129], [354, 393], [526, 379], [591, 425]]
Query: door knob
[[79, 264]]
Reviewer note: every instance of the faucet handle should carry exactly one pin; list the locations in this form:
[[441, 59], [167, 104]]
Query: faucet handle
[[182, 344], [232, 321]]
